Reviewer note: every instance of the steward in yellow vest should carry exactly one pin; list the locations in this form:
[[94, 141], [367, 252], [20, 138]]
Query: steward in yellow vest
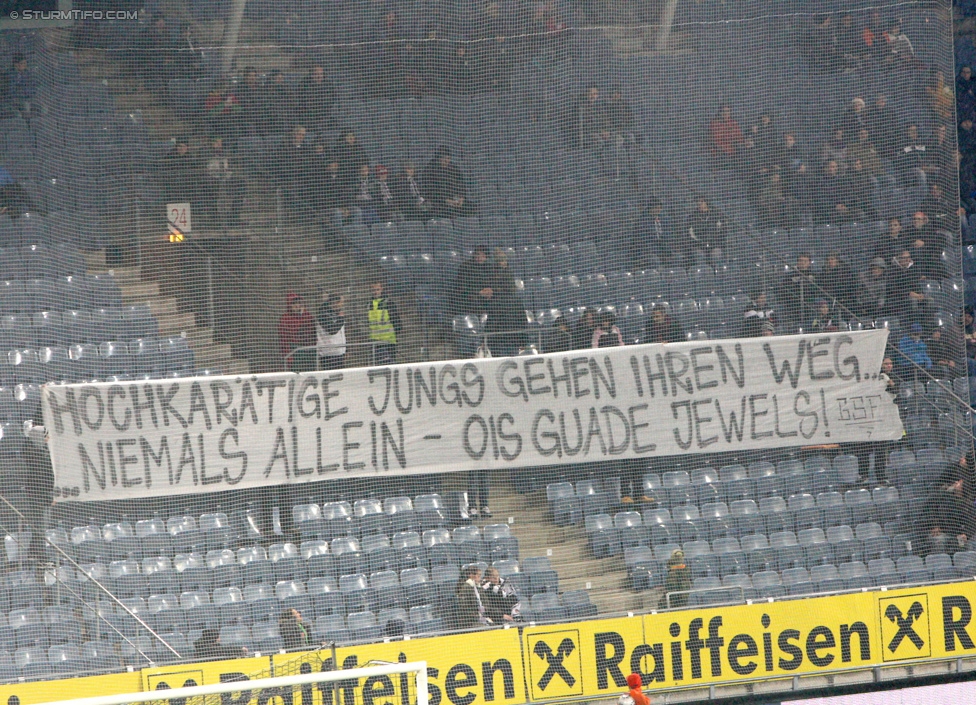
[[384, 326]]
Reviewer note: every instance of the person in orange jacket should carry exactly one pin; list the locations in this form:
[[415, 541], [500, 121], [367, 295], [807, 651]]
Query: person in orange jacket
[[635, 696]]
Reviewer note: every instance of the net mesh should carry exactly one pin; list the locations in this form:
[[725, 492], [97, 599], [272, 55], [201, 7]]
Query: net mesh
[[316, 186]]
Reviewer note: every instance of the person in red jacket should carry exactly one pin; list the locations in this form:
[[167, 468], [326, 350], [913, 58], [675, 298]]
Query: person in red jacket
[[296, 329], [726, 138]]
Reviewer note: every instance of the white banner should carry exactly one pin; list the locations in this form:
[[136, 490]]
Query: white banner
[[207, 434]]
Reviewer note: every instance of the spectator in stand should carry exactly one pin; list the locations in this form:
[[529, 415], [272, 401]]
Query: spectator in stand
[[662, 328], [965, 94], [222, 111], [506, 314], [499, 598], [296, 329], [363, 195], [409, 195], [726, 139], [967, 136], [883, 126], [855, 117], [944, 353], [278, 104], [911, 158], [799, 287], [583, 332], [294, 164], [446, 187], [606, 334], [294, 630], [767, 143], [653, 238], [892, 241], [927, 245], [178, 174], [833, 202], [941, 100], [872, 36], [905, 297], [250, 95], [793, 166], [866, 152], [942, 213], [872, 293], [18, 89], [899, 47], [677, 582], [914, 350], [560, 336], [474, 284], [385, 328], [889, 377], [468, 610], [225, 187], [330, 330], [333, 189], [940, 154], [758, 313], [209, 648], [949, 517], [775, 208], [160, 40], [351, 157], [384, 202], [835, 149], [315, 100], [705, 233], [862, 199], [824, 319], [837, 283], [969, 332]]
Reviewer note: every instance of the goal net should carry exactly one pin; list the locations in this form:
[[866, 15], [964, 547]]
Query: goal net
[[394, 683], [329, 307]]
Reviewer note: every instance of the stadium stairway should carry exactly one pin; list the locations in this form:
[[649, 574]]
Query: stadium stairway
[[605, 579], [208, 354]]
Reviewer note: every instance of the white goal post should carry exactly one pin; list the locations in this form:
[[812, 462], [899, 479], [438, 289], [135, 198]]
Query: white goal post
[[419, 668]]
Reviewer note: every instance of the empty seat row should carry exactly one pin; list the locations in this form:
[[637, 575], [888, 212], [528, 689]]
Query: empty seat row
[[48, 326]]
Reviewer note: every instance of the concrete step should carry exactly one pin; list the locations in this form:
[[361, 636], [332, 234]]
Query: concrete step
[[213, 355], [561, 553], [616, 601], [199, 337], [175, 323], [140, 292], [616, 580], [95, 260], [165, 306]]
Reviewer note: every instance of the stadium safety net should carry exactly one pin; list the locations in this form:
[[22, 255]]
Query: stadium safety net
[[328, 308]]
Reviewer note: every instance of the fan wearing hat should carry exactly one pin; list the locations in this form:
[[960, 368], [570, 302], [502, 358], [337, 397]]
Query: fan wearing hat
[[678, 580], [872, 291], [914, 351]]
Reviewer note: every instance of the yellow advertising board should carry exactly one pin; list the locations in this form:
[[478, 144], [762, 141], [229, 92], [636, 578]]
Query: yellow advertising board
[[765, 640], [463, 669], [188, 675], [87, 687], [590, 660]]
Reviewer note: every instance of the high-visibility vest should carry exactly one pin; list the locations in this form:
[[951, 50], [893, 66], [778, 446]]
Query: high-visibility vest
[[380, 327]]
